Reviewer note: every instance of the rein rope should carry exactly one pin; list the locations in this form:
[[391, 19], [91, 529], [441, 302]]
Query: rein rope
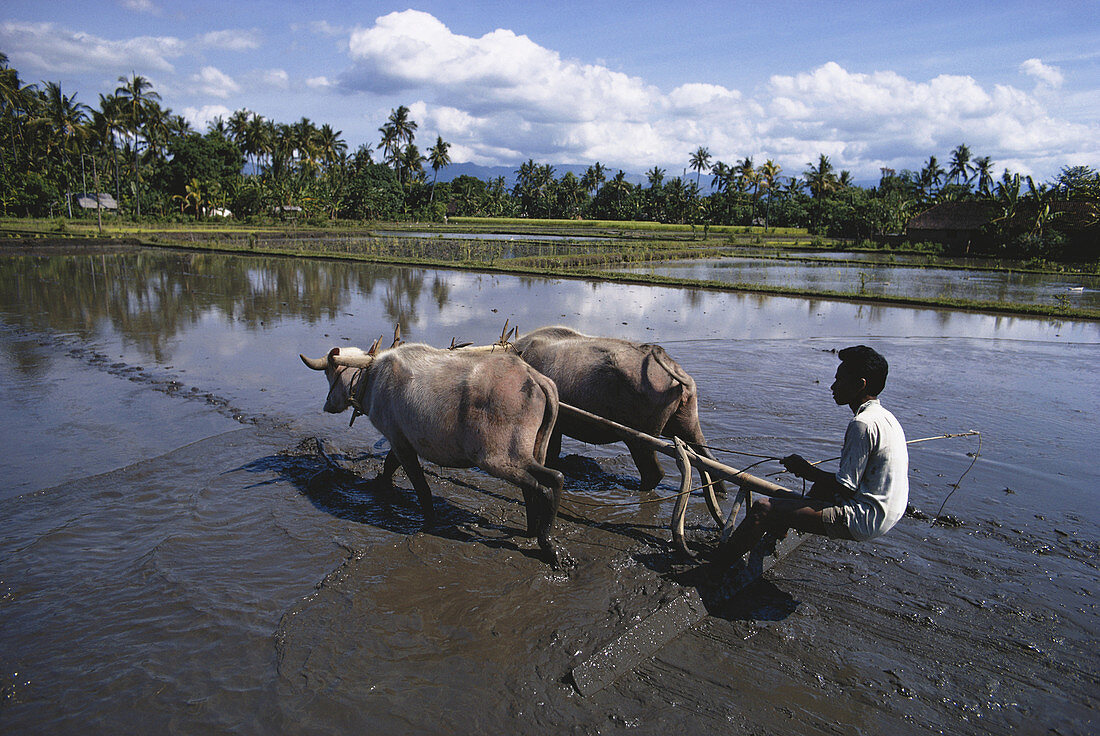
[[766, 458]]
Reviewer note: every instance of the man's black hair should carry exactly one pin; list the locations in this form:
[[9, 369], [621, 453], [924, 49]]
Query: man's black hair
[[866, 363]]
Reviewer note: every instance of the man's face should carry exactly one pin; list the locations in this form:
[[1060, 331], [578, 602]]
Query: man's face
[[846, 387]]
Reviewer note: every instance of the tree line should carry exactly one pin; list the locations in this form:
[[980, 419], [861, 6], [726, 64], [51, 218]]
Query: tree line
[[155, 165]]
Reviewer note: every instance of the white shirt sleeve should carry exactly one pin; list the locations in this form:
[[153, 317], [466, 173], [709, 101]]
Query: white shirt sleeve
[[854, 456]]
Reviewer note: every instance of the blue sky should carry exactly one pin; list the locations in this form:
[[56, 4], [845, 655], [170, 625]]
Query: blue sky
[[630, 84]]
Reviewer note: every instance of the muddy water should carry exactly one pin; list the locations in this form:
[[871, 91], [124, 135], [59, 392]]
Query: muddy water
[[177, 554], [889, 279]]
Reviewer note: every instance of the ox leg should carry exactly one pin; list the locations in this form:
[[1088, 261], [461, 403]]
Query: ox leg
[[389, 467], [548, 491], [411, 464], [648, 467], [553, 449], [541, 488]]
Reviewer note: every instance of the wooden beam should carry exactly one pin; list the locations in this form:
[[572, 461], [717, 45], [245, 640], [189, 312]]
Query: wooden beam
[[739, 478]]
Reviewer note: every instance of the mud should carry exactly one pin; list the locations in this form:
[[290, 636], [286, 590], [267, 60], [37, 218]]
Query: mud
[[236, 568]]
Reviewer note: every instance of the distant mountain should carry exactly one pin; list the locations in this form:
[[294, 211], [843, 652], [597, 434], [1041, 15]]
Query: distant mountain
[[487, 173]]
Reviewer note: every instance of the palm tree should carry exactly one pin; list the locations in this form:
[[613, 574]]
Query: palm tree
[[931, 175], [15, 102], [700, 160], [136, 95], [593, 177], [330, 146], [961, 170], [64, 121], [655, 177], [571, 193], [983, 169], [411, 164], [404, 128], [237, 126], [397, 130], [820, 178], [109, 123], [748, 178], [769, 174], [438, 157]]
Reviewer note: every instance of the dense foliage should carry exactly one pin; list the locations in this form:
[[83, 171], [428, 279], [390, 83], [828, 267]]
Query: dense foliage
[[153, 164]]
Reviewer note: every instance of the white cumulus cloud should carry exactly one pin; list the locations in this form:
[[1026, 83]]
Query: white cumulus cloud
[[46, 47], [1045, 73], [201, 117], [212, 81], [501, 97], [230, 40]]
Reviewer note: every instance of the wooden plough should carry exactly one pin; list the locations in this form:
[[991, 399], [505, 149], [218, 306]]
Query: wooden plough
[[643, 639], [686, 459]]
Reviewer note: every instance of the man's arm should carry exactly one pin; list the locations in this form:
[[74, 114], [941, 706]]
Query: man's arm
[[825, 484]]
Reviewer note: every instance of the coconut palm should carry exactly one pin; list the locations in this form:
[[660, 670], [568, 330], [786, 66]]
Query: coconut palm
[[931, 175], [820, 178], [961, 169], [700, 160], [109, 124], [411, 165], [769, 174], [983, 170], [136, 95], [237, 126], [64, 124], [438, 157], [16, 100], [330, 146], [594, 176]]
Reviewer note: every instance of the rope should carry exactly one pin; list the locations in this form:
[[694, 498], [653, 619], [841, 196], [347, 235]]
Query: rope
[[765, 458], [955, 486], [969, 433], [659, 499]]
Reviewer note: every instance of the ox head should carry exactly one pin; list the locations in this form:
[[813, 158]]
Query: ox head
[[341, 367]]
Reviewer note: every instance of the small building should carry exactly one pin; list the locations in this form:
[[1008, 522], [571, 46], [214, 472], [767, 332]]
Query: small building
[[288, 211], [956, 224], [91, 201]]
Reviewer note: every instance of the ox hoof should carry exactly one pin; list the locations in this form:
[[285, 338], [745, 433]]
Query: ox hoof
[[558, 558]]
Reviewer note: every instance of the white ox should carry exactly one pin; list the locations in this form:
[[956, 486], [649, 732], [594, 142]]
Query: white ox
[[458, 409]]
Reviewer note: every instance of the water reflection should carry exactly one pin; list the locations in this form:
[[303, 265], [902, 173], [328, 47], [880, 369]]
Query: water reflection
[[150, 299], [887, 279]]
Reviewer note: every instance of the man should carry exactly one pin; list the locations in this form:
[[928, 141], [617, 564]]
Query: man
[[865, 497]]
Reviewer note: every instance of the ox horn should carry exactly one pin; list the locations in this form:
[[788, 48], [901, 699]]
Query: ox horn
[[397, 336], [374, 347], [320, 364]]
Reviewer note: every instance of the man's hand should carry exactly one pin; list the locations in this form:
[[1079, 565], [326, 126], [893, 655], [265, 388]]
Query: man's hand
[[798, 465]]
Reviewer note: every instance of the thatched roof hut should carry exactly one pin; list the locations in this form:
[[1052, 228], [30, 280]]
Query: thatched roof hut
[[952, 223]]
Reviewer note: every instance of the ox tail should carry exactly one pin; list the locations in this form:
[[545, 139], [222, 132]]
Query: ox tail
[[549, 415], [662, 359]]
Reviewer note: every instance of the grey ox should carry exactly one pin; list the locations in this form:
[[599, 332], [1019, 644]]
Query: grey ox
[[634, 384], [458, 409]]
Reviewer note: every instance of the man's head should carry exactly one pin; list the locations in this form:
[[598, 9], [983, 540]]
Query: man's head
[[861, 374]]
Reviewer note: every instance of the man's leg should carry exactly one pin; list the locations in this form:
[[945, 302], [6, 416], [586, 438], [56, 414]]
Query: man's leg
[[770, 515]]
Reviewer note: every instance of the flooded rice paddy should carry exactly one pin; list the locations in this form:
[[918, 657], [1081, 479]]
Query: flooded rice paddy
[[887, 279], [178, 555]]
